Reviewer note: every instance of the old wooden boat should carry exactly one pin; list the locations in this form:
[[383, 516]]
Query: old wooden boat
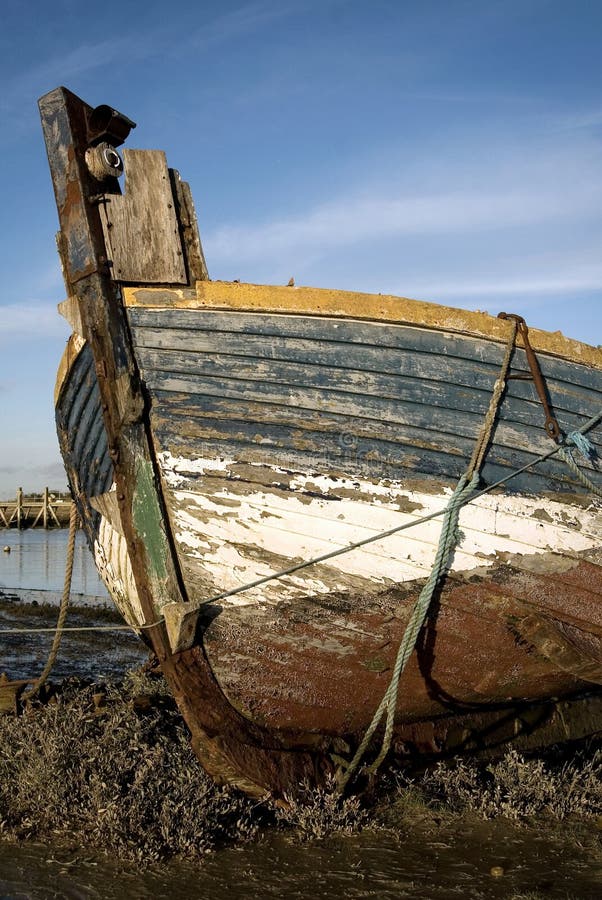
[[220, 437]]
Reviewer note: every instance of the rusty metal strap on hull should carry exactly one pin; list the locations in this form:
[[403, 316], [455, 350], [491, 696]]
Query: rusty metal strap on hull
[[463, 493], [551, 425]]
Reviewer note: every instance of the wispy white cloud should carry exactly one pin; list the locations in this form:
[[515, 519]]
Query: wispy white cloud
[[523, 192], [563, 281], [248, 18], [348, 221], [147, 41], [31, 320], [22, 87], [585, 119], [61, 67]]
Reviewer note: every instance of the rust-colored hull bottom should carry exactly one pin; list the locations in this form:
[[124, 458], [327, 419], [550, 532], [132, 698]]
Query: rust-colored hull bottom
[[272, 693]]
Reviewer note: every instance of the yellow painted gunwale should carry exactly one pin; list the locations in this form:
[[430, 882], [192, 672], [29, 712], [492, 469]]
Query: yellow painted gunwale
[[307, 301], [73, 348]]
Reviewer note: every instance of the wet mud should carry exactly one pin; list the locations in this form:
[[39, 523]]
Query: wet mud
[[103, 653], [368, 865]]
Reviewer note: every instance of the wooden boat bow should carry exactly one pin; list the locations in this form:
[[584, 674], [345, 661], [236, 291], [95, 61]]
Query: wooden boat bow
[[195, 418], [230, 747]]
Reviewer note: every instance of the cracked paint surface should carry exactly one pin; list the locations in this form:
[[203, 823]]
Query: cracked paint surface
[[230, 530]]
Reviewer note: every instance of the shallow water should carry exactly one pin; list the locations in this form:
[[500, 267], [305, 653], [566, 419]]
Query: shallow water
[[33, 573], [368, 865], [36, 564]]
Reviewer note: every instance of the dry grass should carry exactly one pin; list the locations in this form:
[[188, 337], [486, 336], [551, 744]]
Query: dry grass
[[122, 779], [516, 787], [315, 813]]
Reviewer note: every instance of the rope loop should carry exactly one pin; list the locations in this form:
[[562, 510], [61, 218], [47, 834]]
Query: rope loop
[[583, 445]]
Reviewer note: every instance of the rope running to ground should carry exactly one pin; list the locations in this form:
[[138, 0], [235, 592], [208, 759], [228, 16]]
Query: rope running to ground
[[591, 423], [73, 522], [448, 540]]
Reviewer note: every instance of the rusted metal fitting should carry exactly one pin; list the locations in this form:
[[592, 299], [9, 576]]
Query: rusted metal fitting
[[551, 425], [108, 124]]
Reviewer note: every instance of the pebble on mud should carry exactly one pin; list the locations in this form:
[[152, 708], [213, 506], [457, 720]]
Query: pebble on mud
[[496, 871], [6, 549]]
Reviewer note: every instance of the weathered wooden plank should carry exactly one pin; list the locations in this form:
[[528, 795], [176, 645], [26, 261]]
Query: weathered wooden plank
[[371, 334], [353, 418], [325, 302], [73, 348], [318, 362], [367, 458], [69, 309], [551, 642], [308, 343], [87, 416], [347, 391], [140, 227], [523, 521], [195, 258], [339, 421], [106, 504], [79, 387], [352, 643], [96, 467], [242, 534], [222, 351], [82, 435]]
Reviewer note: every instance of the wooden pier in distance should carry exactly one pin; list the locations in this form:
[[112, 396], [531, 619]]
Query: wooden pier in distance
[[46, 510]]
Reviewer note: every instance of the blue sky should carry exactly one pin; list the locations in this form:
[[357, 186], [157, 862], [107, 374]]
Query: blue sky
[[450, 151]]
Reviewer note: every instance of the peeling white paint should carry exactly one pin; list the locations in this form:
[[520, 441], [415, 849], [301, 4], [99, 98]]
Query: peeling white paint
[[231, 534], [173, 467], [114, 567]]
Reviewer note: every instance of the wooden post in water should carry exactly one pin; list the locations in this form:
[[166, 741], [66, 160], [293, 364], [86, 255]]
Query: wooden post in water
[[46, 512], [19, 509]]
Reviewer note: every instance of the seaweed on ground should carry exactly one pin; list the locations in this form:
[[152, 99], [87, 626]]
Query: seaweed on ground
[[516, 787]]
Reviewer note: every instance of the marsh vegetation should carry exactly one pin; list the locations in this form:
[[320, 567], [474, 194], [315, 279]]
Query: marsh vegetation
[[110, 767]]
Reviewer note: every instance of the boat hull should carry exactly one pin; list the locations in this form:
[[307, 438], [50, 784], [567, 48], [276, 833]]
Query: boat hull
[[261, 473], [305, 659]]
